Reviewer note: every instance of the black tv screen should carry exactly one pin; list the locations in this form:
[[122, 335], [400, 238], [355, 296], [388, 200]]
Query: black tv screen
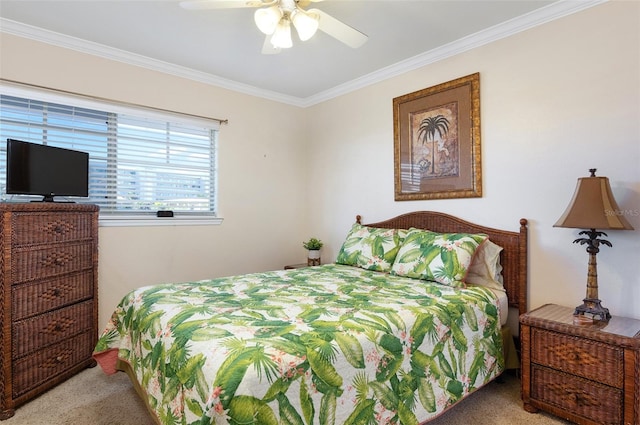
[[34, 169]]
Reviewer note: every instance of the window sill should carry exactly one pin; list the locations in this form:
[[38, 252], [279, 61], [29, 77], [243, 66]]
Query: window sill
[[139, 221]]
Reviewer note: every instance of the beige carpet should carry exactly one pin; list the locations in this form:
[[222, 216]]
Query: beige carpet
[[92, 398]]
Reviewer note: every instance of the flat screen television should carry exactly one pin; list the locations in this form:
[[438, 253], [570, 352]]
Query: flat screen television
[[48, 171]]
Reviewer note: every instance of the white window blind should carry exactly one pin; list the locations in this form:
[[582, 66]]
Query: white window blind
[[140, 161]]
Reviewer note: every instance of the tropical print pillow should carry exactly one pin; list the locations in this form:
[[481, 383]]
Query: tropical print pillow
[[438, 257], [370, 248]]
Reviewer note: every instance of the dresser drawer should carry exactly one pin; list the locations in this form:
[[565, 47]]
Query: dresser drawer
[[589, 359], [32, 298], [41, 331], [31, 371], [51, 260], [595, 402], [30, 228]]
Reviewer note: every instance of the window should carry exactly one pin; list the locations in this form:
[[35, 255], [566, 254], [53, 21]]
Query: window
[[140, 161]]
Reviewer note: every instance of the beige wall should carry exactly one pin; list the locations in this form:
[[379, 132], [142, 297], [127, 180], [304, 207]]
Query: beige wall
[[555, 100]]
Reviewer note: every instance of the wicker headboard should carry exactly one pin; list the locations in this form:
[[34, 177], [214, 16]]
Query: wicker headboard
[[513, 257]]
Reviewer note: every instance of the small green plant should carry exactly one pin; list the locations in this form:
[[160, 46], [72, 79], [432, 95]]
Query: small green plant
[[312, 243]]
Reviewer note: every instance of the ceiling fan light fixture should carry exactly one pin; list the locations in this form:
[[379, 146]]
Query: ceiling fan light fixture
[[267, 19], [306, 23], [281, 37]]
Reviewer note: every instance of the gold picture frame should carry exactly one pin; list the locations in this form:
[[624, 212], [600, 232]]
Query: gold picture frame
[[436, 133]]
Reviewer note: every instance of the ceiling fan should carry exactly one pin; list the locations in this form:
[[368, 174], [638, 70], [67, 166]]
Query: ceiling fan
[[275, 17]]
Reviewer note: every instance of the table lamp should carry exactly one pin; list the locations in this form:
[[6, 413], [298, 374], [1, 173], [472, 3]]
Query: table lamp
[[593, 207]]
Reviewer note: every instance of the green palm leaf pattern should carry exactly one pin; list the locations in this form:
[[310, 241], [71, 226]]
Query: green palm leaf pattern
[[438, 257], [363, 413], [351, 349], [427, 395], [331, 344], [370, 248]]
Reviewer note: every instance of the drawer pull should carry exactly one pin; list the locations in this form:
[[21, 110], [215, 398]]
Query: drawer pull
[[59, 228], [579, 400], [57, 359], [578, 397], [57, 259], [54, 293], [58, 326]]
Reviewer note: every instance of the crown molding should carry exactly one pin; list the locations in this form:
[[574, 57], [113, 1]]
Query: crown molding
[[538, 17], [83, 46], [506, 29]]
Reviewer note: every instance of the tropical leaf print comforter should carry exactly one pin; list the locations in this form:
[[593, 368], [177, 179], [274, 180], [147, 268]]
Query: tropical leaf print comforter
[[321, 345]]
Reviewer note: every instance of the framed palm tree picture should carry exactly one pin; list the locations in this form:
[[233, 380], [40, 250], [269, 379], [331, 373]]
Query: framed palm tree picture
[[437, 141]]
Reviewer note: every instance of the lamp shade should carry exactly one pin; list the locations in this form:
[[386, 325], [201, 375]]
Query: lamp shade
[[267, 19], [306, 23], [282, 36], [593, 206]]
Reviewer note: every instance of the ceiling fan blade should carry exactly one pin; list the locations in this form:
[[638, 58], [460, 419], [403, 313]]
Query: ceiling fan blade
[[222, 4], [268, 48], [339, 30]]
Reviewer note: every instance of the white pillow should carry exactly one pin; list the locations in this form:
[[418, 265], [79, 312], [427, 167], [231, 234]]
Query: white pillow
[[485, 269]]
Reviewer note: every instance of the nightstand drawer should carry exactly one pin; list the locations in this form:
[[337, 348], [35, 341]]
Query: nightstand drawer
[[32, 228], [595, 402], [51, 260], [578, 356]]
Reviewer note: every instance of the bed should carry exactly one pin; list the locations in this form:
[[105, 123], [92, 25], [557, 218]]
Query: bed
[[368, 339]]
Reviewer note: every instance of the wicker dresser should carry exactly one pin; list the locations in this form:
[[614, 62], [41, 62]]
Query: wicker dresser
[[48, 307], [588, 374]]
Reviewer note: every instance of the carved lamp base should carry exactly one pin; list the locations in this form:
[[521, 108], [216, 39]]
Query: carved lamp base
[[592, 306]]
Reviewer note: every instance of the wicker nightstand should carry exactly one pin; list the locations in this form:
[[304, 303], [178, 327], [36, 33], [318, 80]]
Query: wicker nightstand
[[588, 374]]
